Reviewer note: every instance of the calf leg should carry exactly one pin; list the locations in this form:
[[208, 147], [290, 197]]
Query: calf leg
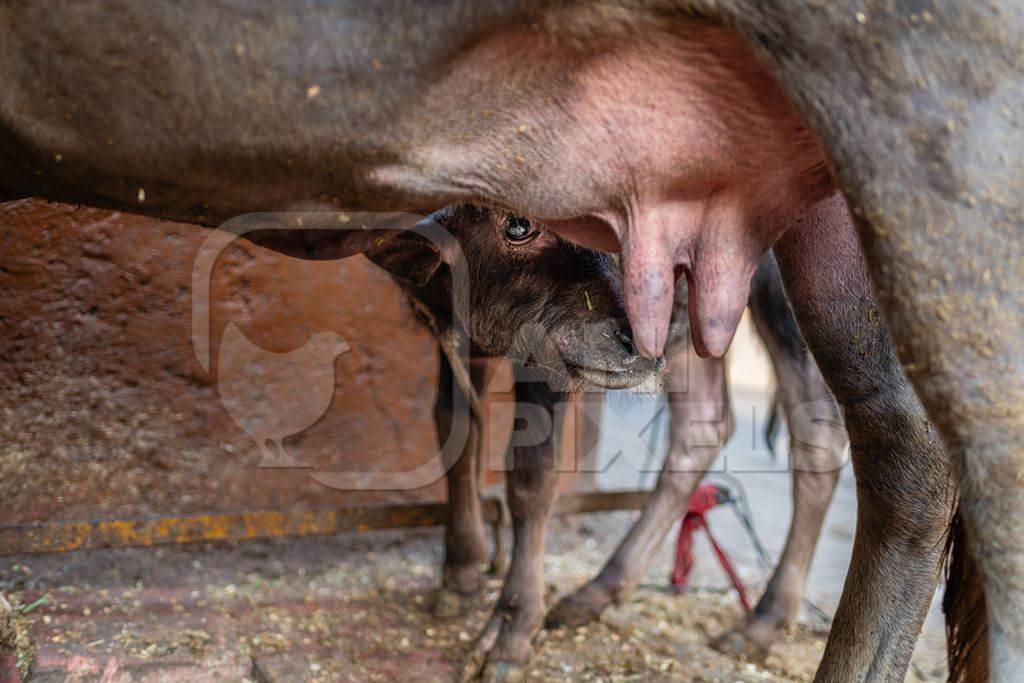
[[817, 443], [464, 543], [904, 496], [700, 423], [532, 485]]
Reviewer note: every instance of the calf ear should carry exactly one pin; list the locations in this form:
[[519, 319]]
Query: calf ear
[[321, 236], [409, 257], [413, 256]]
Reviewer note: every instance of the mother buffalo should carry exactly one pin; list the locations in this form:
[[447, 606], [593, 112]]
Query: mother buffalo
[[695, 134]]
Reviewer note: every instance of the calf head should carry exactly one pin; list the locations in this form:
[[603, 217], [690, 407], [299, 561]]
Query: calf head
[[533, 297]]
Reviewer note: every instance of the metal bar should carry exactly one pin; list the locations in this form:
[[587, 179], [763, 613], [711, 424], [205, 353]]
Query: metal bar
[[600, 501], [51, 537]]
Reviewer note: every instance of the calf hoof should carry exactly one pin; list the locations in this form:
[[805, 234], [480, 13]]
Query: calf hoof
[[473, 667], [503, 672], [579, 608], [736, 643], [480, 666], [504, 647], [450, 603], [499, 563], [459, 590]]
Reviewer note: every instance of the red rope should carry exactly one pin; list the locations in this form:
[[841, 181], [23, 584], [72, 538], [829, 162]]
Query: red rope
[[705, 498]]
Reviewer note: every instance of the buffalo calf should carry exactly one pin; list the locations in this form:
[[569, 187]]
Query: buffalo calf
[[556, 310]]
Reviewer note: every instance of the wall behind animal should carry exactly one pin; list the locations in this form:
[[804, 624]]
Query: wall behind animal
[[105, 409]]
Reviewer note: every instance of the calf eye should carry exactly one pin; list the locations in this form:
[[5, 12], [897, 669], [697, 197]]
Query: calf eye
[[518, 229]]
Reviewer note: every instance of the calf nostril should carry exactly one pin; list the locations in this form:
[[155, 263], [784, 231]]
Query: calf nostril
[[626, 339]]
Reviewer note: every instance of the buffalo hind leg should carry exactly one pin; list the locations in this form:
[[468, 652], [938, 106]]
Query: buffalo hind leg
[[817, 445], [532, 483], [904, 493], [700, 422], [952, 272], [464, 542]]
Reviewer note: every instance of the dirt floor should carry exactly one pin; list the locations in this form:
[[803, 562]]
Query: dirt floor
[[354, 607]]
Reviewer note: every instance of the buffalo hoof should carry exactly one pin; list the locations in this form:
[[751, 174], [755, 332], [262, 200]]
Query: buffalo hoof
[[449, 603], [579, 608], [738, 644]]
